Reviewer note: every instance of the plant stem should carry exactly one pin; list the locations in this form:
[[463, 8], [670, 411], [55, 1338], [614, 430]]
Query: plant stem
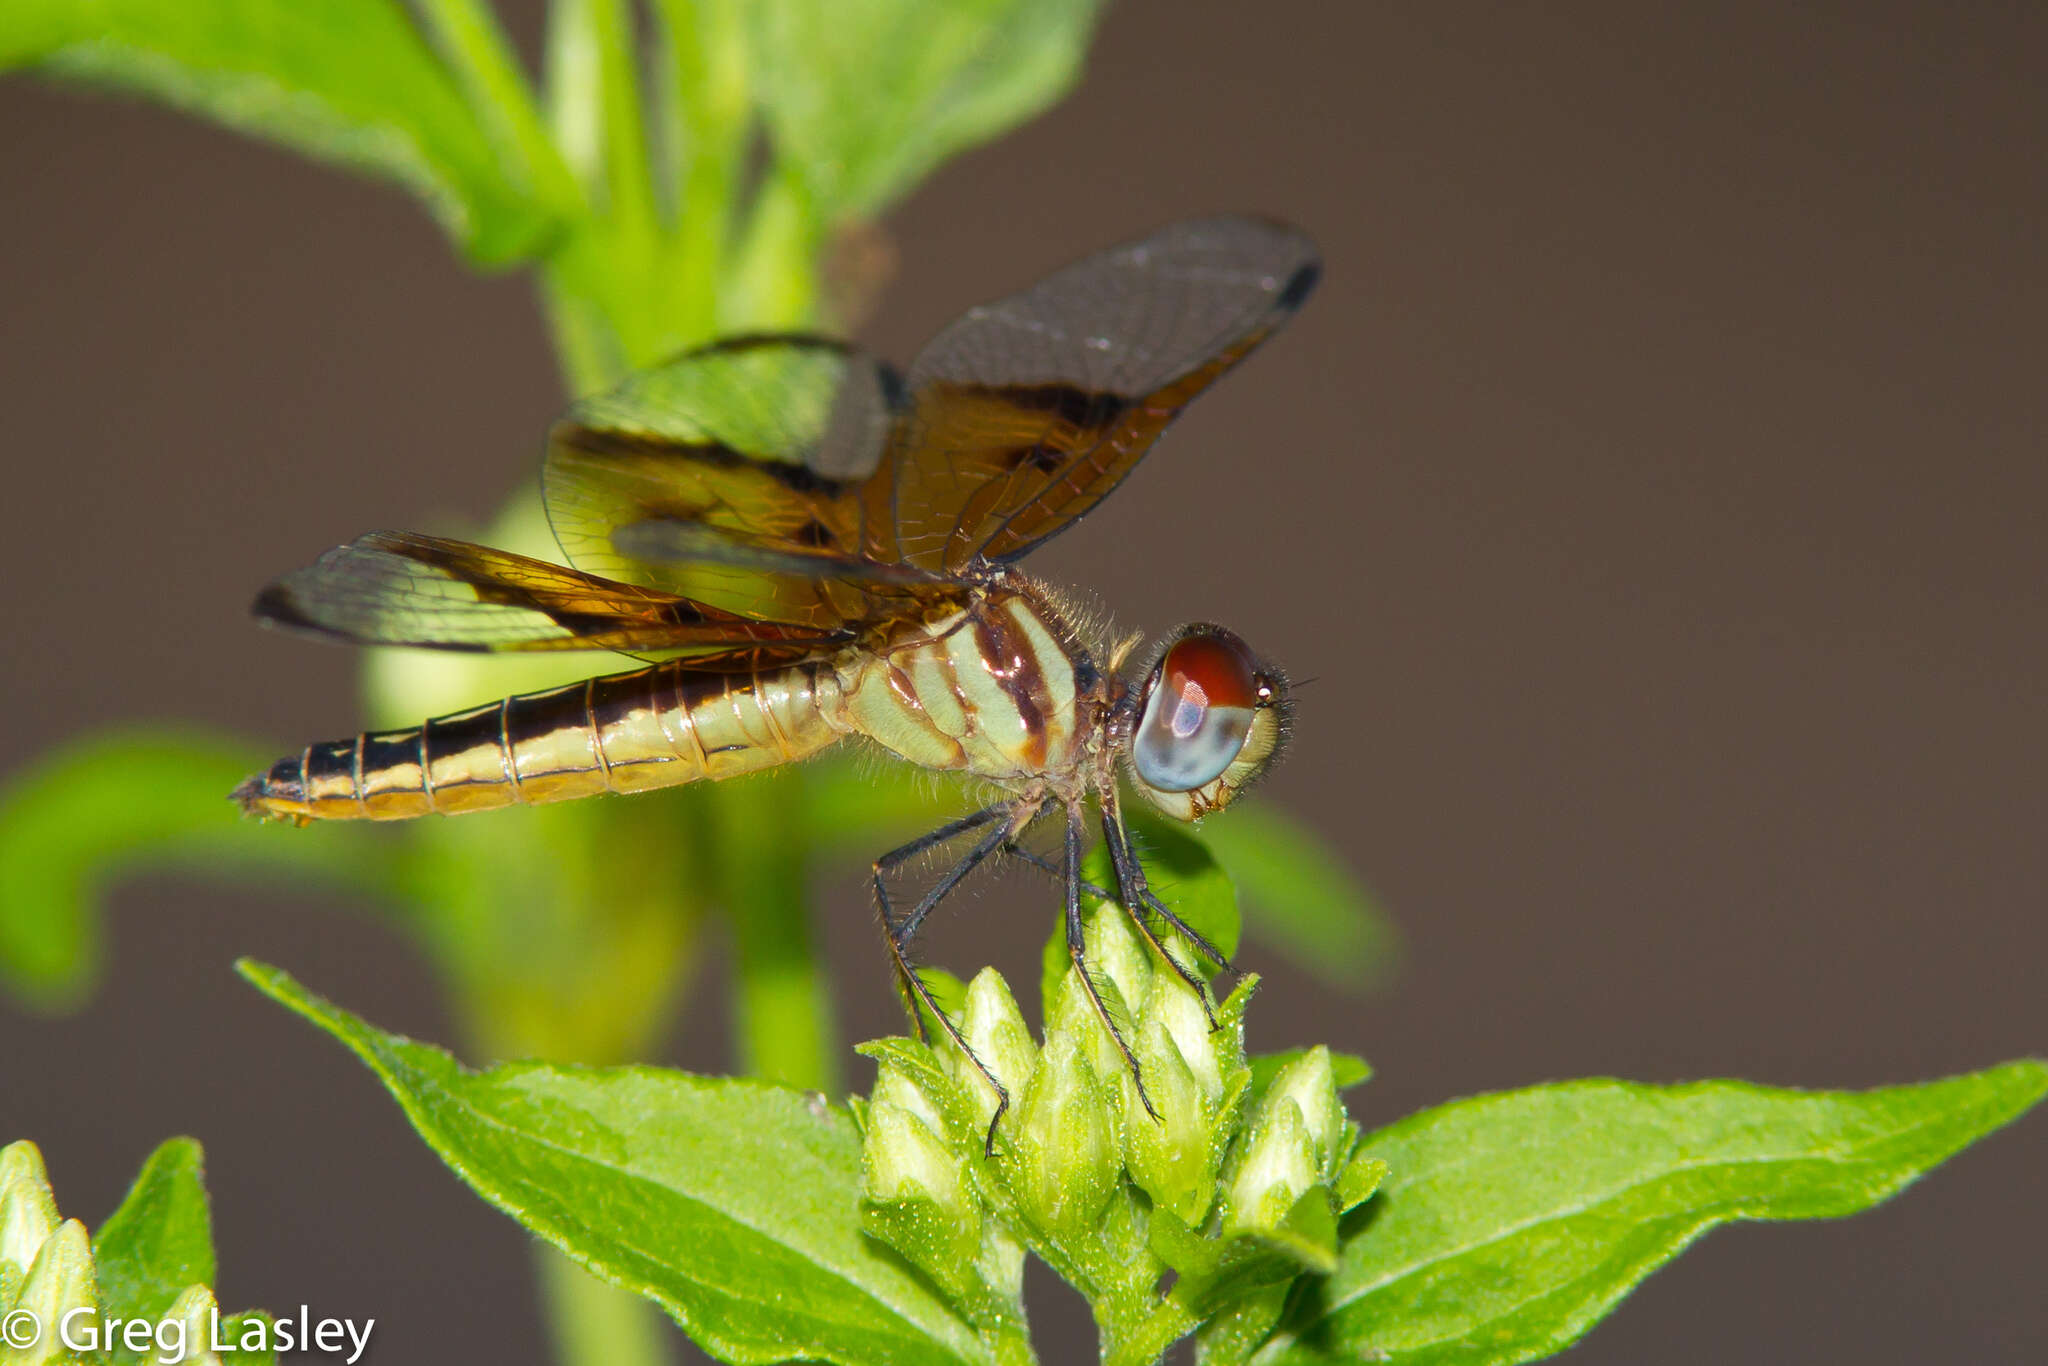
[[784, 1003], [595, 1324]]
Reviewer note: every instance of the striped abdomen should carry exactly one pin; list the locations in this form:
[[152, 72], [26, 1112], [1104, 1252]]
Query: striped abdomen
[[627, 732]]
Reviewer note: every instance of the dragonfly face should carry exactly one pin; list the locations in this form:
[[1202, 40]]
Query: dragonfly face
[[805, 546]]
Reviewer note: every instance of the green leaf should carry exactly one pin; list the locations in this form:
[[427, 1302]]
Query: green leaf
[[1510, 1224], [107, 803], [347, 81], [159, 1241], [732, 1204], [865, 100], [1299, 898]]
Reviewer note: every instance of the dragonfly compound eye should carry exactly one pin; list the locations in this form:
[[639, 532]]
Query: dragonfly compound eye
[[1199, 705]]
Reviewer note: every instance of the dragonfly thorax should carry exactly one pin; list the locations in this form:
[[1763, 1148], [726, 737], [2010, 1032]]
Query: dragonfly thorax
[[1001, 688]]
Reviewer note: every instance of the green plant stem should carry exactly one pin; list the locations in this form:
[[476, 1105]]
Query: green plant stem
[[595, 1324], [784, 1020]]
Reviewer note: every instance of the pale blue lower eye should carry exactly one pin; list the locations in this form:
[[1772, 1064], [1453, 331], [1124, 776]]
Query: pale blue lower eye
[[1174, 761]]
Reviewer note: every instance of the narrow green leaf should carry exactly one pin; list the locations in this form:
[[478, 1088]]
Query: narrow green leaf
[[732, 1204], [865, 100], [159, 1241], [348, 81], [486, 67], [1299, 898], [1510, 1224], [113, 801], [703, 81]]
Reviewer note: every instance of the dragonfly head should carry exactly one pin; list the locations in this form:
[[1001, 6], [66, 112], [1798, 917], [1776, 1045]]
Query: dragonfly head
[[1206, 722]]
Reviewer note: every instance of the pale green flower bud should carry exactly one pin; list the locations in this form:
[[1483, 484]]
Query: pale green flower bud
[[190, 1341], [28, 1212], [1278, 1165], [994, 1028], [1117, 967], [1068, 1163], [1116, 952], [59, 1281], [1179, 1010], [1173, 1158], [904, 1160], [1309, 1083], [894, 1086]]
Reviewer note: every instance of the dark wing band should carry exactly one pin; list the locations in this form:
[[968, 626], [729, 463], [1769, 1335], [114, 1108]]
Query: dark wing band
[[760, 443]]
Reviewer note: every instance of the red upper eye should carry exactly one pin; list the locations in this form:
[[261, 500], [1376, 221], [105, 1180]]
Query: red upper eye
[[1209, 671]]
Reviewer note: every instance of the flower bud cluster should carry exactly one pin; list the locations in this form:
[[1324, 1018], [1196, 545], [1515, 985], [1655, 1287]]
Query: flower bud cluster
[[45, 1264], [47, 1270], [1113, 1175]]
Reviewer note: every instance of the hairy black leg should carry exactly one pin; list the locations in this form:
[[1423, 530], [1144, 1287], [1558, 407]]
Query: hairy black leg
[[1046, 865], [1078, 952], [898, 932], [1132, 876], [896, 858]]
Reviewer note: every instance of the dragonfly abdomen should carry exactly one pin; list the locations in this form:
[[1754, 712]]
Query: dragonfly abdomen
[[626, 732]]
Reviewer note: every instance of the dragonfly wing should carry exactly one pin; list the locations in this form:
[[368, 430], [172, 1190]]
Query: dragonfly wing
[[1023, 415], [399, 588], [760, 444]]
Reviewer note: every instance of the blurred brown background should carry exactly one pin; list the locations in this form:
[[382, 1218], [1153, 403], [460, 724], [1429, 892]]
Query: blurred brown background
[[1655, 489]]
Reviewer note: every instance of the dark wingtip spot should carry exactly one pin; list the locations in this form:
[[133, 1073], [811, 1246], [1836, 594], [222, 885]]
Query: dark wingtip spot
[[1300, 285], [275, 606]]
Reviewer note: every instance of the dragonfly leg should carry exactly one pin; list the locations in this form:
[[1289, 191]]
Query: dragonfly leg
[[1131, 875], [1077, 951], [1046, 865], [898, 932]]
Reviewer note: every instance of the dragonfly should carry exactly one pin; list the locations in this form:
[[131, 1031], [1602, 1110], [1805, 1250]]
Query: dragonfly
[[803, 546]]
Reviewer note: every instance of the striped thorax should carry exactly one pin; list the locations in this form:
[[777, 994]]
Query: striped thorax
[[1000, 688]]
